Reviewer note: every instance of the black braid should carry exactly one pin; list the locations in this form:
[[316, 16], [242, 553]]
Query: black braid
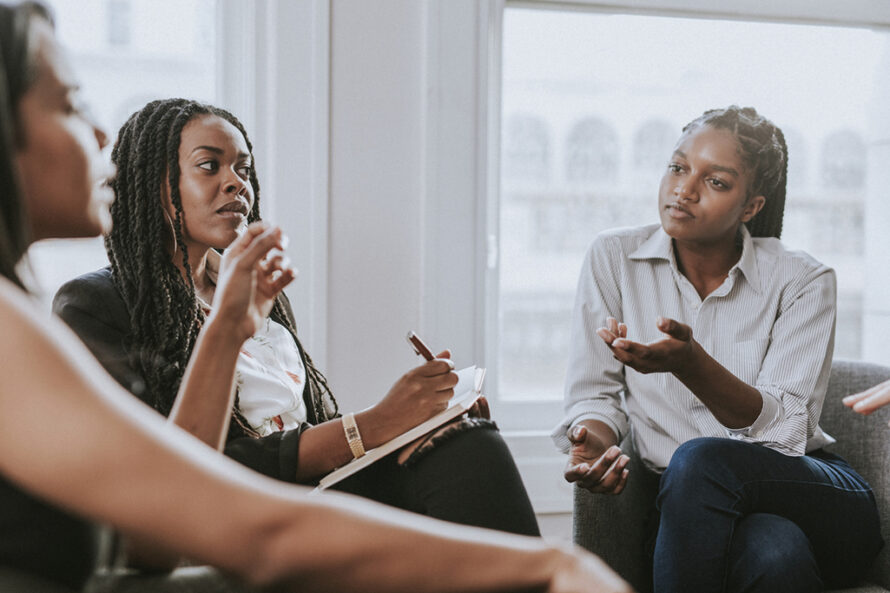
[[762, 147], [165, 315]]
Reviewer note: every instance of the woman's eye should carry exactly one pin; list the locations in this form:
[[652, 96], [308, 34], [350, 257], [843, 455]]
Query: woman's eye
[[211, 166], [674, 168], [719, 184], [244, 170]]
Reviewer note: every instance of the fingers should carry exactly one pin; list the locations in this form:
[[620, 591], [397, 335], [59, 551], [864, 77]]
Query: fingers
[[608, 474], [625, 350], [482, 408], [240, 244], [578, 434], [674, 329], [870, 400], [435, 367], [261, 245], [444, 354], [612, 331]]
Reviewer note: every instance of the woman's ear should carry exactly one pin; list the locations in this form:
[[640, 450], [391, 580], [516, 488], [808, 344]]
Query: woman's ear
[[753, 206]]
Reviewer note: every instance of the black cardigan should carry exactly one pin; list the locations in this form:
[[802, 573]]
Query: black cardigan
[[92, 306]]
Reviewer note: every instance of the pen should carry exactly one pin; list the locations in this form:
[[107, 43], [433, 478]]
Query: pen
[[419, 346]]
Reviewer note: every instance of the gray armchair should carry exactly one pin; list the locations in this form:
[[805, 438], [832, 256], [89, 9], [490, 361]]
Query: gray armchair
[[613, 526]]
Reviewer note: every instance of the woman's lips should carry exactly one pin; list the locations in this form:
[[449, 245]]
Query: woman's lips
[[678, 212]]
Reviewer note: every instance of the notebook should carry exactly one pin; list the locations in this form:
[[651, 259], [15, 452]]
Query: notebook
[[466, 392]]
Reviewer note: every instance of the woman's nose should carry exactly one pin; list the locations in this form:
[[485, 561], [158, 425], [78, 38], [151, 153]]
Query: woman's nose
[[235, 184], [684, 191]]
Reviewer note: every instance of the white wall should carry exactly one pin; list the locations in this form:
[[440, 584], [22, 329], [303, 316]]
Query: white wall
[[376, 194]]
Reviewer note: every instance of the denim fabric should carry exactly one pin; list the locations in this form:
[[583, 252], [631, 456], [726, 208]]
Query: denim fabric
[[736, 516]]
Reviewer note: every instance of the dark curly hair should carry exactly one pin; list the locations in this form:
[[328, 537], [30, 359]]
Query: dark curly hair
[[761, 145], [165, 316]]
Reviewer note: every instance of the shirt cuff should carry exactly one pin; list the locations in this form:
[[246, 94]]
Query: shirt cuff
[[769, 411]]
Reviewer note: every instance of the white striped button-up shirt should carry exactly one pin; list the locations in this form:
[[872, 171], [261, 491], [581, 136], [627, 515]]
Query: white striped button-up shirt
[[770, 323]]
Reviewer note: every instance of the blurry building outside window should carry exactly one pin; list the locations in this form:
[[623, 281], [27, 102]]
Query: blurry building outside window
[[612, 93]]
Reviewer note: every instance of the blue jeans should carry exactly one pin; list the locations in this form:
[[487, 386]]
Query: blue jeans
[[736, 516]]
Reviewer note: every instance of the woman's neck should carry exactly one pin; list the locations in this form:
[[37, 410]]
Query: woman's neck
[[706, 266], [204, 286]]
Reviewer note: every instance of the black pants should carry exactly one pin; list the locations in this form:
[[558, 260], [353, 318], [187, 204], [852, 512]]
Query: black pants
[[469, 478]]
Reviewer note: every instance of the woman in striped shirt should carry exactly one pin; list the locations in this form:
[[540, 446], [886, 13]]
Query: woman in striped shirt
[[721, 341]]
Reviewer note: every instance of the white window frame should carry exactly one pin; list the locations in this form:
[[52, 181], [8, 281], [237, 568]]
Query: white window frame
[[462, 197], [273, 72]]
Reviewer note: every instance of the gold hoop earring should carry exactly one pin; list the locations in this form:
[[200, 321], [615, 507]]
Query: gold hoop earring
[[172, 229]]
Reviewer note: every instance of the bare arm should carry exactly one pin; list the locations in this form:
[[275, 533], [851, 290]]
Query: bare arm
[[246, 289], [169, 489]]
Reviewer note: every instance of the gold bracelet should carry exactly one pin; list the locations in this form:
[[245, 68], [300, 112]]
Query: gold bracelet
[[353, 436]]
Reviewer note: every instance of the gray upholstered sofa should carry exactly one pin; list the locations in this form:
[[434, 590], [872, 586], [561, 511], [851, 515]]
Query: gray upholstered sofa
[[613, 526]]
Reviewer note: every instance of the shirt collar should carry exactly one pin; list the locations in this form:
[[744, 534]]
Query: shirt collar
[[659, 246]]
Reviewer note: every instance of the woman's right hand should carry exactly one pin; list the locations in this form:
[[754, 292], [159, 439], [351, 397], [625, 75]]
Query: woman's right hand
[[593, 465], [582, 572], [418, 395], [250, 279]]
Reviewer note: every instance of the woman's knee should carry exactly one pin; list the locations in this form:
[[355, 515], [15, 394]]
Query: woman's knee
[[694, 465], [771, 553]]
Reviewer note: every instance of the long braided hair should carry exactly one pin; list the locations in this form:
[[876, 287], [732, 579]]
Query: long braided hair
[[165, 316], [761, 145]]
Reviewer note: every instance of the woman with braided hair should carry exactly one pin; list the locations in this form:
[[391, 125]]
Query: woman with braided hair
[[721, 341], [185, 183], [75, 448]]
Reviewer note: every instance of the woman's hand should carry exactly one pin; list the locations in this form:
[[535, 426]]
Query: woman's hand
[[418, 395], [869, 400], [669, 355], [251, 275], [593, 465]]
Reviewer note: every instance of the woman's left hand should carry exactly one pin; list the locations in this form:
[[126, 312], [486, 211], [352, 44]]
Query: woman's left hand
[[480, 409], [669, 355], [251, 275], [869, 400]]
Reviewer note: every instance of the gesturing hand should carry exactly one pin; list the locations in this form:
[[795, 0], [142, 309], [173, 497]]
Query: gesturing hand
[[869, 400], [667, 355], [250, 277], [592, 468]]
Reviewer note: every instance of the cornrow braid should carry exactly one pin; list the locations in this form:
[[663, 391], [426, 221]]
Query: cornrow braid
[[762, 147], [165, 314]]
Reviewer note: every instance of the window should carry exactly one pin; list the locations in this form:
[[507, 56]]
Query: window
[[149, 50], [615, 91]]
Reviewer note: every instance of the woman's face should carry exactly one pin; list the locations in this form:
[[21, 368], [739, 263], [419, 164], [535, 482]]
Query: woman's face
[[214, 182], [703, 196], [61, 167]]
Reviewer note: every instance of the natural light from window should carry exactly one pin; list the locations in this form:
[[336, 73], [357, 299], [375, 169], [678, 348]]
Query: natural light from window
[[591, 107]]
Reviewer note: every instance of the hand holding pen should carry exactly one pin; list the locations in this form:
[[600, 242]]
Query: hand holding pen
[[480, 408]]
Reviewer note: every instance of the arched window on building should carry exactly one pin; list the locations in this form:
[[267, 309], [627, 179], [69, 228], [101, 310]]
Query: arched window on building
[[843, 160], [526, 149], [592, 152], [652, 146]]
